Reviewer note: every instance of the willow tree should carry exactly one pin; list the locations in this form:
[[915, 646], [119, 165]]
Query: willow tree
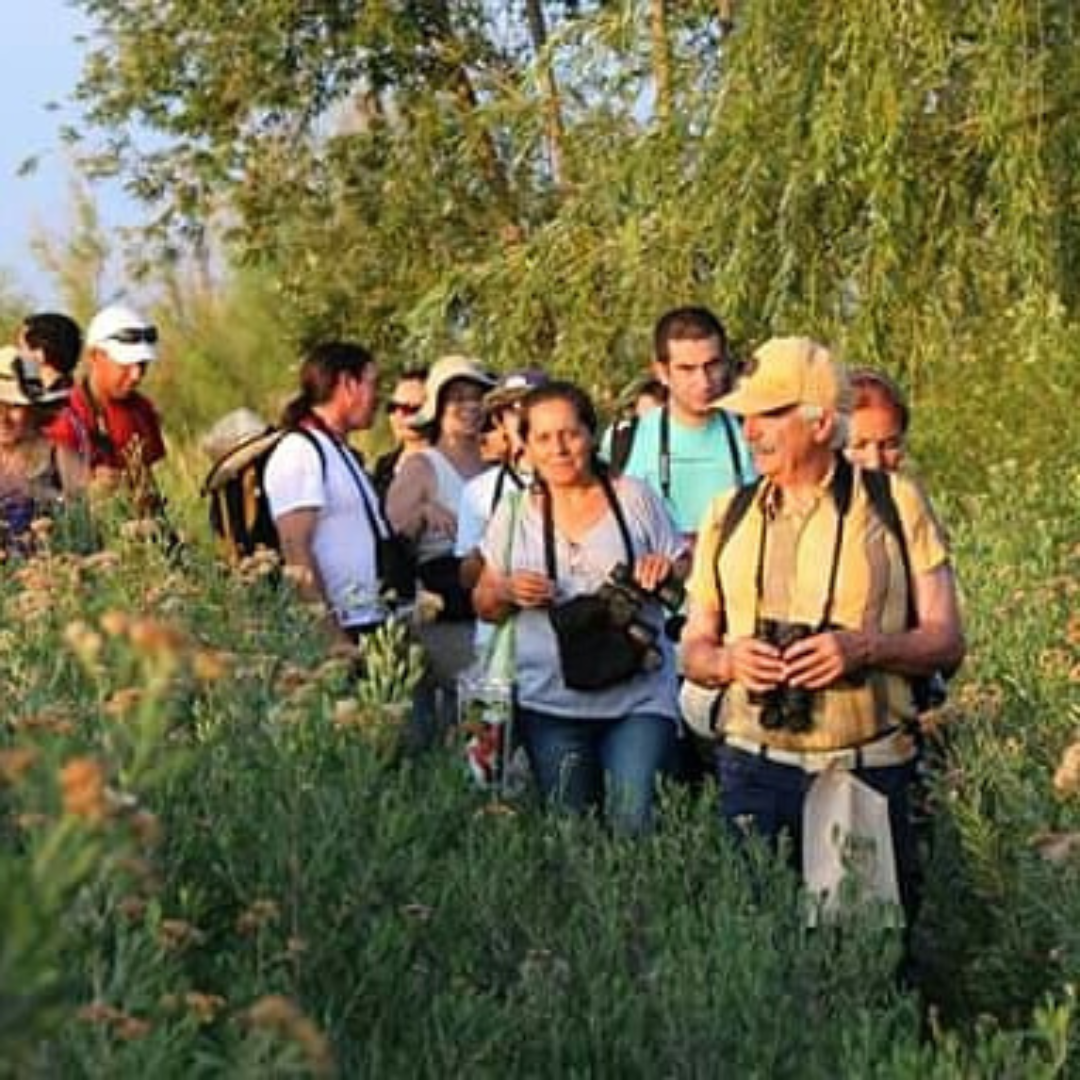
[[897, 177]]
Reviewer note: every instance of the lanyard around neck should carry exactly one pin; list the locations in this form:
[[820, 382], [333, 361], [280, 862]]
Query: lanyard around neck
[[841, 493], [380, 530], [726, 423]]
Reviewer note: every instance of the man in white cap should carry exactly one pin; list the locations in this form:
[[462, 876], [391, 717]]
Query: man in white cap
[[108, 422], [812, 613]]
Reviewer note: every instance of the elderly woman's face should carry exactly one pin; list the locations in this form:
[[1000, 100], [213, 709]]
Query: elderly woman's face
[[15, 424], [560, 445], [876, 438]]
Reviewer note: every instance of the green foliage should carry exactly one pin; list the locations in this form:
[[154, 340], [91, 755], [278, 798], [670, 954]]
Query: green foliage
[[896, 179], [258, 887]]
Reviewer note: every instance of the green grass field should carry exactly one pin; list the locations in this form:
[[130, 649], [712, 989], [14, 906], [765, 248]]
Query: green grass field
[[214, 860]]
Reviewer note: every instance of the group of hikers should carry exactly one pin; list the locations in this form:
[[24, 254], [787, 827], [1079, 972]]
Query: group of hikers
[[737, 577], [73, 423]]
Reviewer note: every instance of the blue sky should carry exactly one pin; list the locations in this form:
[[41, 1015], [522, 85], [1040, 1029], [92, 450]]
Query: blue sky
[[41, 64]]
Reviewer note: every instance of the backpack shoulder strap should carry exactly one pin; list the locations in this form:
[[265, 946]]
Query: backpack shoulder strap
[[308, 434], [879, 490], [733, 448], [622, 444], [736, 510]]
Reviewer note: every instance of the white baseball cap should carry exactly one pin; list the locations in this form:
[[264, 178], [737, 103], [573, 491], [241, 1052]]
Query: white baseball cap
[[124, 334]]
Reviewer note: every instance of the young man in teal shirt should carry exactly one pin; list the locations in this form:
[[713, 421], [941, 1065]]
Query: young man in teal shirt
[[686, 450]]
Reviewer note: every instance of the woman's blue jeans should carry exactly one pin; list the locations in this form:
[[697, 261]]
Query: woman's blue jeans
[[614, 764]]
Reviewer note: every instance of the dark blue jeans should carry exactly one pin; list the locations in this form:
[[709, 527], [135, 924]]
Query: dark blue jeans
[[765, 798], [614, 764]]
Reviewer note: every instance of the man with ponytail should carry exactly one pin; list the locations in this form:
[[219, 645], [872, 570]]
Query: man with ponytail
[[324, 506]]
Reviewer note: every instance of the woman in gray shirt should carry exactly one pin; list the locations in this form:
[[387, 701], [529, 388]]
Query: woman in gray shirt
[[601, 744]]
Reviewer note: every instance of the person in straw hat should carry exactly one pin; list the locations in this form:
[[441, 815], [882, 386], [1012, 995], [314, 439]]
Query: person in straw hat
[[422, 505], [32, 470]]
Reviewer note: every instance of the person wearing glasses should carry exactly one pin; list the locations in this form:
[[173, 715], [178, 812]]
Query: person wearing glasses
[[108, 422], [405, 402]]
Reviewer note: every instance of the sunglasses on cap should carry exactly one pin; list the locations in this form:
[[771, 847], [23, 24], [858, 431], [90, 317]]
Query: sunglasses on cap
[[135, 335], [27, 375], [406, 408]]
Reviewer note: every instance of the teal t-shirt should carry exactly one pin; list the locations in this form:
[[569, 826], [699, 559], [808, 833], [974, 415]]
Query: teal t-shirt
[[701, 465]]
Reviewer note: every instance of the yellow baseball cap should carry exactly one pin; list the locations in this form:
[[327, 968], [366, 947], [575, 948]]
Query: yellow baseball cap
[[789, 371]]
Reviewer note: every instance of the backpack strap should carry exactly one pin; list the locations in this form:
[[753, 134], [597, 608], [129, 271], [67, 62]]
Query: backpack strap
[[622, 444], [879, 490], [506, 472]]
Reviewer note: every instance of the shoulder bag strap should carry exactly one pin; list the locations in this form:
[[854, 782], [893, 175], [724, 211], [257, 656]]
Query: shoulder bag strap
[[499, 656], [379, 529], [549, 527]]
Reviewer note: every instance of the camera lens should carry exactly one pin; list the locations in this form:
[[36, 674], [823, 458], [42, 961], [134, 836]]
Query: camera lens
[[772, 715], [796, 706]]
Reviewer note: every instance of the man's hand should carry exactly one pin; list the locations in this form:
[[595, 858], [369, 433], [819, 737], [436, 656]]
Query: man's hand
[[819, 661], [756, 664]]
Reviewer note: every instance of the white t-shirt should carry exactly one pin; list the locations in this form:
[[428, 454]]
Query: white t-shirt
[[478, 503], [343, 545]]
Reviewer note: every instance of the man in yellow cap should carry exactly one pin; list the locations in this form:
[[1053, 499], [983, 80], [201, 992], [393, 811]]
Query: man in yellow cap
[[812, 612]]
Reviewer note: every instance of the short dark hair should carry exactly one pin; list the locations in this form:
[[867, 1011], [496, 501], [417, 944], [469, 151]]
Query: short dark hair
[[560, 390], [870, 387], [57, 335], [651, 387], [686, 324], [321, 371]]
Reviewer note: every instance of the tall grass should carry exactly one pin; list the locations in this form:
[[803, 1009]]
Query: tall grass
[[210, 866]]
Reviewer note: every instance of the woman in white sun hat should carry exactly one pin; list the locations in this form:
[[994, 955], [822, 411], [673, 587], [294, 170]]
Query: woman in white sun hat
[[32, 469], [422, 505]]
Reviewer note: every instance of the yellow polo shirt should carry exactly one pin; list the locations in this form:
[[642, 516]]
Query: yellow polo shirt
[[870, 593]]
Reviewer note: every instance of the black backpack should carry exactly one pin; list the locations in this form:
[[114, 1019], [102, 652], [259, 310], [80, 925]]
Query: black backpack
[[237, 506]]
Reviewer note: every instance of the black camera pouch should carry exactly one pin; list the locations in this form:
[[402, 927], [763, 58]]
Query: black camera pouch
[[594, 653]]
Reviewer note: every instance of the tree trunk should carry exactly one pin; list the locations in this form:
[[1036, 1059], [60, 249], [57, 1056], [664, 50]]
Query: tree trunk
[[661, 60], [553, 125], [461, 86]]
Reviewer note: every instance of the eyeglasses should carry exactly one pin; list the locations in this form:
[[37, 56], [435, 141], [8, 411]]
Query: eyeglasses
[[135, 335], [406, 408]]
